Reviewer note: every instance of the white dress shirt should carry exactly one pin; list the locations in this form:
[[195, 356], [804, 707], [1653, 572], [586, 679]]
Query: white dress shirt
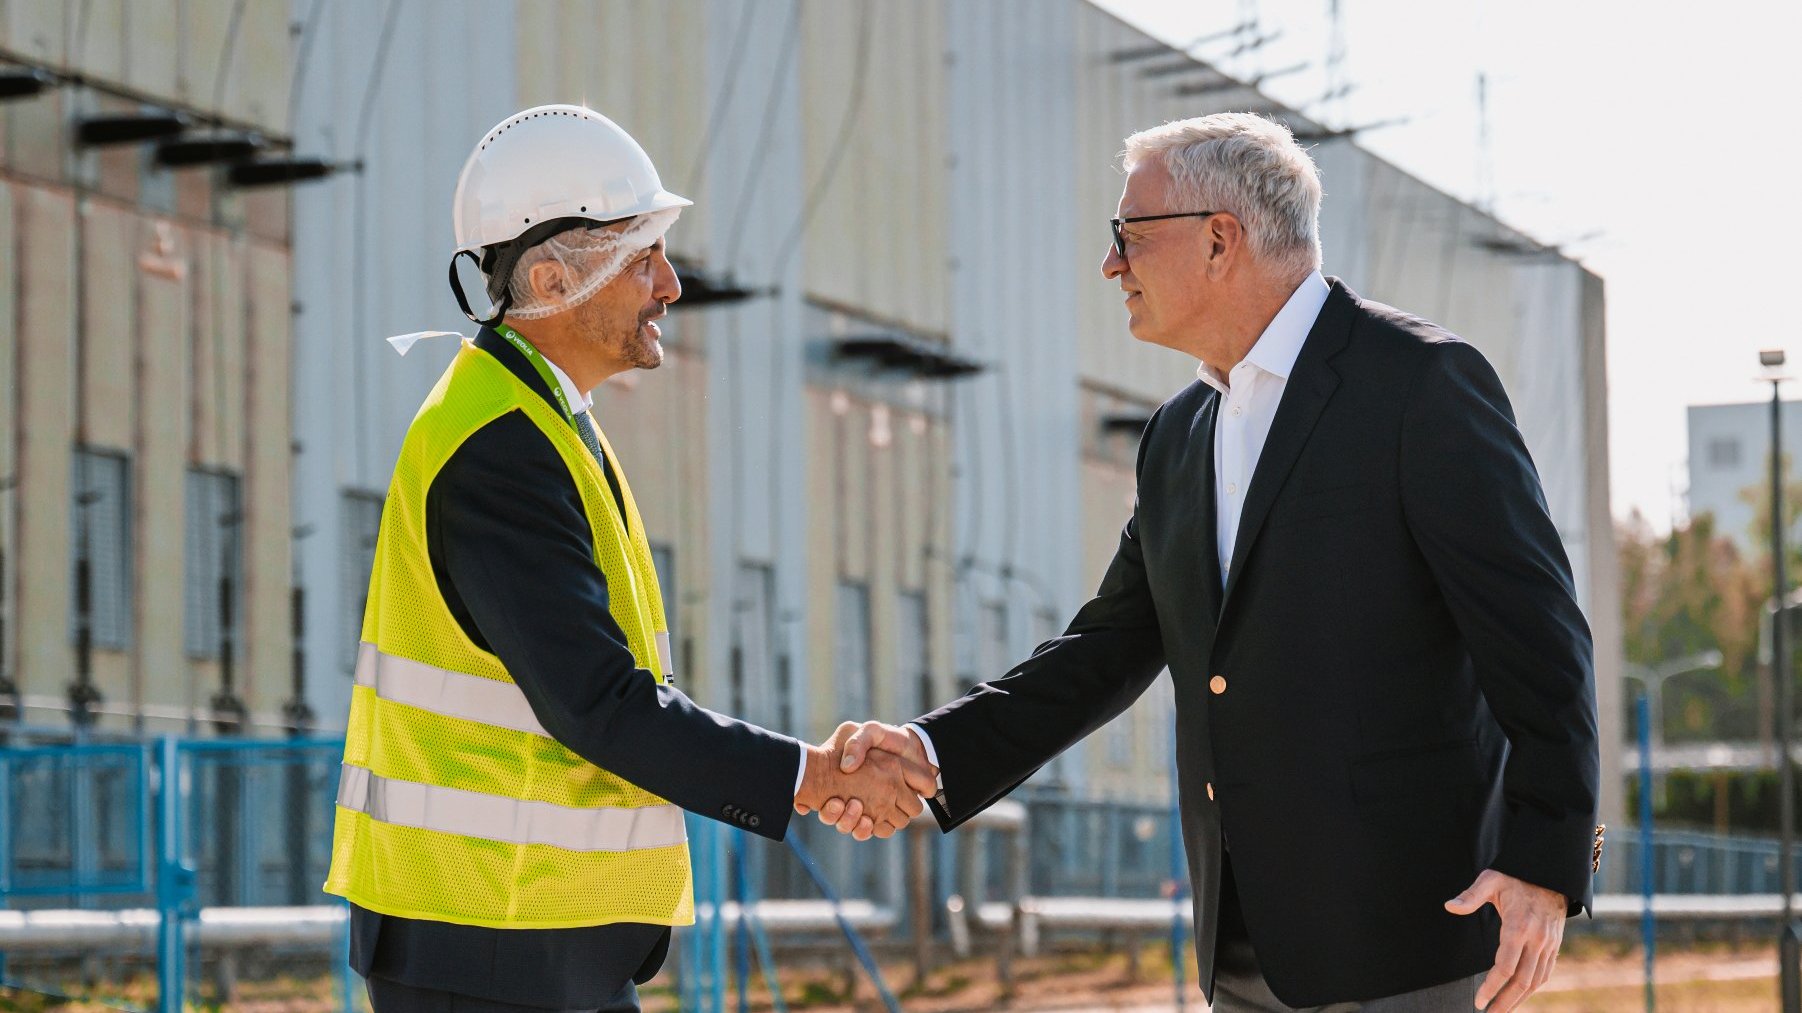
[[579, 401], [582, 401], [1249, 395]]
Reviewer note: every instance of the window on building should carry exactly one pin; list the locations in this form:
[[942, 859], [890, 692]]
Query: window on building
[[753, 660], [1724, 452], [100, 535], [361, 517], [914, 693], [214, 582], [851, 668]]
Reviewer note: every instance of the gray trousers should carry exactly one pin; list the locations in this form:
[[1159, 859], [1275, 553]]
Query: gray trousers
[[1239, 987]]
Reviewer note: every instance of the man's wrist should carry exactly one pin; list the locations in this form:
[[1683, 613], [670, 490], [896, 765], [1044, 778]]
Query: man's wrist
[[932, 755]]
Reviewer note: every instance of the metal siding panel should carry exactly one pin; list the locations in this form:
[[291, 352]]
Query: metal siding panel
[[46, 223], [219, 350], [163, 373], [101, 46], [153, 44], [109, 401], [39, 29], [268, 530], [202, 44]]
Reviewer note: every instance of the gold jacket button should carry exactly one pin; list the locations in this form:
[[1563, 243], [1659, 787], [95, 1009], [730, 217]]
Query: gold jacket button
[[1217, 684]]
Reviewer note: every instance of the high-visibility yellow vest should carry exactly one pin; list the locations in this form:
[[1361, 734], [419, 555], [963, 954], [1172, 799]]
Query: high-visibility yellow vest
[[454, 804]]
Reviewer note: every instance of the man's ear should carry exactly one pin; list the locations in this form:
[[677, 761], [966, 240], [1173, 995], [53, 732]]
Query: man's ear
[[1225, 235], [547, 280], [1224, 241]]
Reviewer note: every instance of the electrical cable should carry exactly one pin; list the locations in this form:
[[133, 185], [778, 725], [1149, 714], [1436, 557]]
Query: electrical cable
[[790, 246], [840, 144], [225, 58], [308, 33], [760, 152], [721, 100]]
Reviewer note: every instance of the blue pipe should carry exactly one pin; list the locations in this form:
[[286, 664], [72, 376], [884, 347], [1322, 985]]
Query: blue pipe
[[741, 935], [174, 884], [1647, 925], [857, 946]]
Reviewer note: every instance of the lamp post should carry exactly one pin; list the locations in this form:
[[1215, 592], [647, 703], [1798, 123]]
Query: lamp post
[[1653, 678], [1789, 942]]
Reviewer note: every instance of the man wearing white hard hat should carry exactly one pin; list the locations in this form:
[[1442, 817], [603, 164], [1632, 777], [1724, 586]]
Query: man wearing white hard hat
[[517, 760]]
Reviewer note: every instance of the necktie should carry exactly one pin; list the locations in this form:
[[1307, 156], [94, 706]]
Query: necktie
[[585, 428]]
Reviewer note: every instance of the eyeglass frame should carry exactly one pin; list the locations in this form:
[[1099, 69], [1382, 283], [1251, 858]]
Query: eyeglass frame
[[1120, 241]]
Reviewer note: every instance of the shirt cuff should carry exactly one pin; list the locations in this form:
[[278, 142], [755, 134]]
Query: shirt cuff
[[932, 755], [801, 770]]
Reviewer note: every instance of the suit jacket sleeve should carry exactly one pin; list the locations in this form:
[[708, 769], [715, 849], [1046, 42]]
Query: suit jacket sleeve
[[516, 545], [999, 733], [1473, 503]]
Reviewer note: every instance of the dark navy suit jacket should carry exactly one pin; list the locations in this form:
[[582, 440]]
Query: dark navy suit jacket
[[1392, 692], [513, 554]]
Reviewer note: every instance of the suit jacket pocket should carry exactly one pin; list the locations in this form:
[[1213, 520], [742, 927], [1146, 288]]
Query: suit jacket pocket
[[1406, 777], [1313, 504]]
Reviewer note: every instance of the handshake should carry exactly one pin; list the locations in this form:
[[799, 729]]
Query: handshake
[[867, 780]]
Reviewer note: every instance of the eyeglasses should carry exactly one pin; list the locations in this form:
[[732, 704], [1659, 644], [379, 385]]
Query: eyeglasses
[[1120, 241]]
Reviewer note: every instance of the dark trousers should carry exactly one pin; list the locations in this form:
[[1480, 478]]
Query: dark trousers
[[392, 997]]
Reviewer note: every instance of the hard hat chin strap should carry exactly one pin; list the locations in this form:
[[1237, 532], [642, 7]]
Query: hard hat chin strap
[[456, 284]]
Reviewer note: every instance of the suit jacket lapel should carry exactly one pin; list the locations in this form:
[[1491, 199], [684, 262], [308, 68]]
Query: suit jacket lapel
[[1310, 386]]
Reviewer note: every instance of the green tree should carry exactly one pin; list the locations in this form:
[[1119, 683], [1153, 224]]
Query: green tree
[[1683, 593]]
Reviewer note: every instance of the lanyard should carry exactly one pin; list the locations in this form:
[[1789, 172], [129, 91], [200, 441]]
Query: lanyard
[[543, 367]]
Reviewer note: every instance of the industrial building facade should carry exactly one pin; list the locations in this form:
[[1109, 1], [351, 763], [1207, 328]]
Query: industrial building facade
[[890, 449], [144, 379]]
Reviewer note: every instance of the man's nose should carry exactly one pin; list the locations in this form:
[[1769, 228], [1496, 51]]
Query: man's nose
[[1113, 265], [668, 287]]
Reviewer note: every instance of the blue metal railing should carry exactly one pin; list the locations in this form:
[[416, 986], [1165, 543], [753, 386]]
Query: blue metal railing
[[174, 824]]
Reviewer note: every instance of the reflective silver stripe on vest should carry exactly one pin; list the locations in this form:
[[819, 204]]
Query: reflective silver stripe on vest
[[442, 691], [514, 821], [663, 654]]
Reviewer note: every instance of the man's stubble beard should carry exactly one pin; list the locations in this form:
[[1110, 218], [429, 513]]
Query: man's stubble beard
[[628, 345]]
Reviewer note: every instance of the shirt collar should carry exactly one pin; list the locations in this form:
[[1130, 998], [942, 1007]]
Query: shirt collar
[[1278, 347], [579, 400]]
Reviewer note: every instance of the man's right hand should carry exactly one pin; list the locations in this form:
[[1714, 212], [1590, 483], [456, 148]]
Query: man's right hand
[[884, 786], [869, 742]]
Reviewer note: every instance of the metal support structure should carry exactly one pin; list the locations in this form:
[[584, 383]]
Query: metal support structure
[[1648, 926], [919, 875], [1789, 943], [741, 930], [174, 883]]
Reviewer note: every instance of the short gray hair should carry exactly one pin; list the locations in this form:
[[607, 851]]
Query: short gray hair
[[1245, 164]]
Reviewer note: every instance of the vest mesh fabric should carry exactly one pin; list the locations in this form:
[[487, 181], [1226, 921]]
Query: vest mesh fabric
[[414, 872]]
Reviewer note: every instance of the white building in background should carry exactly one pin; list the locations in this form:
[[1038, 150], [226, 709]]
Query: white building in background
[[1730, 464], [904, 188]]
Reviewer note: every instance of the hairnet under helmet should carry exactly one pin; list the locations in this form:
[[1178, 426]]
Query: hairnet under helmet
[[544, 175], [590, 256]]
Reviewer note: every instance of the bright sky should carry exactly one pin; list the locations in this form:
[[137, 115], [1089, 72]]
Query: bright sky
[[1660, 127]]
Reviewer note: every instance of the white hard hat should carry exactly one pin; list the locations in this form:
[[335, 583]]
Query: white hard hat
[[535, 172]]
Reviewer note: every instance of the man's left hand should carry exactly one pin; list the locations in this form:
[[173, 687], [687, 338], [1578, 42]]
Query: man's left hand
[[1532, 931]]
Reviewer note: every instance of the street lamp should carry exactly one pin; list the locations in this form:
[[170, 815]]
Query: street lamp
[[1653, 679], [1789, 942]]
